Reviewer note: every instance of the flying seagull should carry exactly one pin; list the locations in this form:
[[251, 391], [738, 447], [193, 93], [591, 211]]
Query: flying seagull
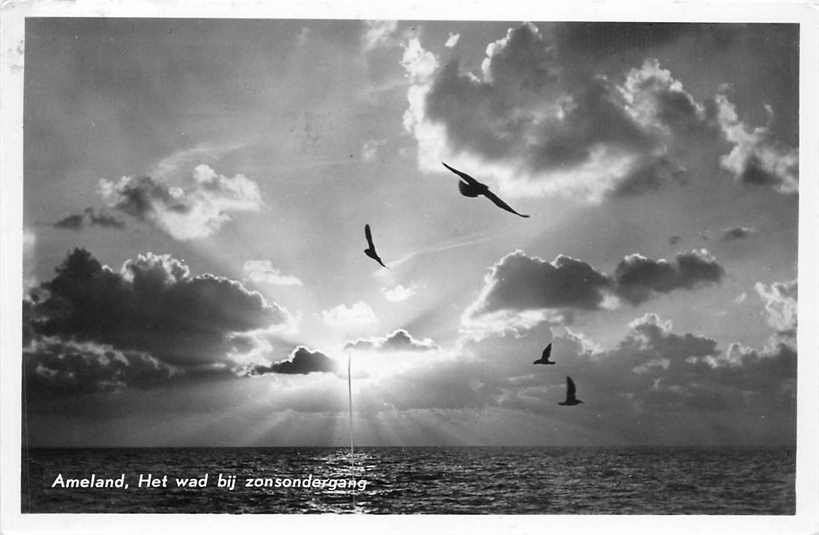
[[544, 359], [570, 397], [472, 188], [370, 250]]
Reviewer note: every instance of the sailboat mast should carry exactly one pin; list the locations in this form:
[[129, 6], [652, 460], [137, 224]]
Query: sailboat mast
[[350, 400]]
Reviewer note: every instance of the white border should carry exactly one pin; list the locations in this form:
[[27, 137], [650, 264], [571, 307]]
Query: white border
[[12, 17]]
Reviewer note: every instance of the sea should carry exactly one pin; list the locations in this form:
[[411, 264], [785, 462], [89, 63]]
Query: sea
[[417, 480]]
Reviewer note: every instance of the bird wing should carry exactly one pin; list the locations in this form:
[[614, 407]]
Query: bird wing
[[500, 204], [369, 235], [570, 388], [463, 175], [547, 352]]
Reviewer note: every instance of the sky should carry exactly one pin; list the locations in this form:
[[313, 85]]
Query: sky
[[196, 191]]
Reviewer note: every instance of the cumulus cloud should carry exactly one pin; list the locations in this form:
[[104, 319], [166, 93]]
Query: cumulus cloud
[[419, 64], [525, 290], [651, 374], [639, 278], [62, 367], [537, 123], [657, 100], [378, 33], [757, 157], [737, 233], [655, 385], [399, 340], [196, 212], [452, 40], [780, 300], [398, 293], [301, 361], [153, 304], [654, 370], [523, 116], [263, 271], [520, 282], [89, 217], [356, 315], [693, 373]]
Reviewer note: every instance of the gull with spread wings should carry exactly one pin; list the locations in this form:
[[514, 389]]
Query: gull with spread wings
[[370, 250], [571, 397], [544, 358], [470, 187]]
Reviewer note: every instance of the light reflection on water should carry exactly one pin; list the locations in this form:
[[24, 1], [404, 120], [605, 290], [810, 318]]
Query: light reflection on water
[[427, 480]]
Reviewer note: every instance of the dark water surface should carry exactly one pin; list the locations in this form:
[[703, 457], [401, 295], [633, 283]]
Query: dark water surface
[[479, 480]]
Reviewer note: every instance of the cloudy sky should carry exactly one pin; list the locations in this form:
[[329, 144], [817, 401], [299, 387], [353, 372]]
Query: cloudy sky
[[196, 192]]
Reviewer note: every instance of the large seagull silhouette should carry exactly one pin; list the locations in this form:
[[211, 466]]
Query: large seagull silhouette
[[470, 187], [544, 358], [571, 398]]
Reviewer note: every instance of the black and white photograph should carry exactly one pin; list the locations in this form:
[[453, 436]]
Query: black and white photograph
[[408, 266]]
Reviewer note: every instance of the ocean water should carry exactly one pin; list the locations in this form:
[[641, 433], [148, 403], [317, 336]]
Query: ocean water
[[469, 480]]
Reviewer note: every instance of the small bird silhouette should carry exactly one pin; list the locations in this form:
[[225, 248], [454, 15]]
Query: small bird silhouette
[[370, 250], [472, 188], [544, 359], [570, 394]]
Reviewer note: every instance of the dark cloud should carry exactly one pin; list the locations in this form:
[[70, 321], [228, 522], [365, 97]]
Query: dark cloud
[[102, 219], [521, 282], [492, 115], [54, 367], [196, 212], [707, 379], [660, 103], [759, 371], [301, 361], [757, 158], [596, 117], [781, 306], [611, 48], [400, 340], [654, 371], [549, 122], [701, 377], [138, 197], [655, 385], [73, 222], [89, 217], [518, 282], [754, 171], [153, 304], [737, 233], [638, 278], [530, 112]]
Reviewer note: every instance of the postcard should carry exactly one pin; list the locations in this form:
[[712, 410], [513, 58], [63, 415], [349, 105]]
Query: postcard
[[269, 267]]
